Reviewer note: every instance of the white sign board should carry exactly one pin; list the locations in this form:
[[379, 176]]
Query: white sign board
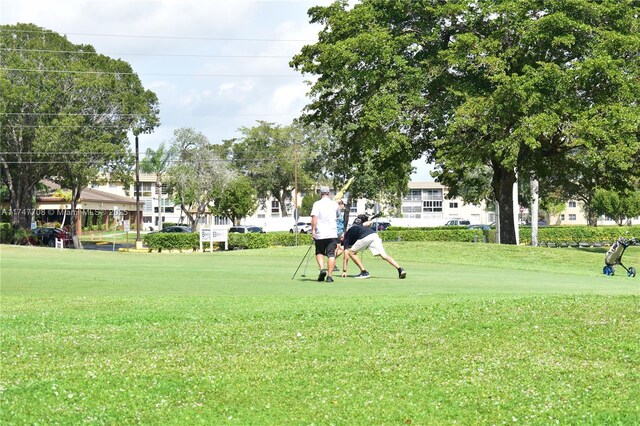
[[127, 225], [213, 235]]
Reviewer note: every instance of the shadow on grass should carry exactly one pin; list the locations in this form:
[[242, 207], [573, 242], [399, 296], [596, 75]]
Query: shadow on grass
[[593, 249]]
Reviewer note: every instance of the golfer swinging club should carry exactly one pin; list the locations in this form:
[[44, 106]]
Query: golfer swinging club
[[360, 237], [324, 232]]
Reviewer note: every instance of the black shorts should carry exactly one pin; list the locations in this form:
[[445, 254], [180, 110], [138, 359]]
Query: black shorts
[[327, 247]]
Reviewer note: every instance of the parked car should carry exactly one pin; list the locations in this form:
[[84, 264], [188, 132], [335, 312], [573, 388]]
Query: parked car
[[301, 227], [483, 227], [458, 222], [380, 226], [177, 228], [244, 229], [47, 236]]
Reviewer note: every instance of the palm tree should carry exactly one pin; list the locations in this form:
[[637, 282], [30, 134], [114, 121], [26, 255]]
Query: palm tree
[[157, 162]]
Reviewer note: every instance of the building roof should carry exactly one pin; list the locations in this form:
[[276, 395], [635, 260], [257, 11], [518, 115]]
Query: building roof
[[87, 195]]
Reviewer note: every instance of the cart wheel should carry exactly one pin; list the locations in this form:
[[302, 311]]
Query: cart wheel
[[632, 272], [607, 270]]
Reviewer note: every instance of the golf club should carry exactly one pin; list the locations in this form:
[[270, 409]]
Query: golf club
[[305, 256], [304, 274]]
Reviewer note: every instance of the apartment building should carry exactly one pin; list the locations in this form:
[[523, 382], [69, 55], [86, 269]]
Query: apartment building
[[425, 204]]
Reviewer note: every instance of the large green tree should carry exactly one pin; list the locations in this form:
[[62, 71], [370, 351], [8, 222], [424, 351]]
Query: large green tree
[[620, 206], [276, 157], [520, 86], [199, 174], [238, 200], [65, 112]]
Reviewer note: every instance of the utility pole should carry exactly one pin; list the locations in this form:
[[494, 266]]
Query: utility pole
[[138, 241]]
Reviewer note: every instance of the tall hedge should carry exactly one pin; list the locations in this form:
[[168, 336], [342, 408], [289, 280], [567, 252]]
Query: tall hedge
[[575, 235]]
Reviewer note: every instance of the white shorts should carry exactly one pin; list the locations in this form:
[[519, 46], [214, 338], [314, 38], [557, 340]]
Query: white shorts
[[371, 242]]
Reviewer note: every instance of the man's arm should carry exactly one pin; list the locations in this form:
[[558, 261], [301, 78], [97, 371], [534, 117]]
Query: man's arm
[[314, 222]]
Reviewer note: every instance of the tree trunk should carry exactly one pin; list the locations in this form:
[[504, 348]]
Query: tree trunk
[[283, 207], [534, 211], [502, 184], [75, 198], [497, 206], [21, 204], [187, 215]]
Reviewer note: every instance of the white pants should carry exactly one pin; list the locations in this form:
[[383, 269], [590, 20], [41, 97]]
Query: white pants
[[371, 242]]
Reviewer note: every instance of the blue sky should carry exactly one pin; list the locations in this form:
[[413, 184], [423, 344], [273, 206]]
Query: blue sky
[[216, 65]]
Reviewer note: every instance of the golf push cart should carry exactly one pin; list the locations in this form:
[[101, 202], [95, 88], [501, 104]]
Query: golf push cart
[[614, 257]]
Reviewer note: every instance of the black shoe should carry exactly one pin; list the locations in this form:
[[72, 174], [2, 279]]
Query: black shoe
[[323, 273], [363, 274], [402, 273], [329, 279]]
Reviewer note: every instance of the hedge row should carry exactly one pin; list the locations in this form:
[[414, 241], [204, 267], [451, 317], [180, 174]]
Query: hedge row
[[436, 234], [576, 235], [552, 235], [183, 241]]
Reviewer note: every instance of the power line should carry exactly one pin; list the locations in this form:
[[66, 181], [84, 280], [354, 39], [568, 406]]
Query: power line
[[185, 55], [45, 114], [35, 70], [270, 40]]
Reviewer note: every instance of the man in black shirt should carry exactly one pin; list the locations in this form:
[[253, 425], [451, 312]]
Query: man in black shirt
[[360, 237]]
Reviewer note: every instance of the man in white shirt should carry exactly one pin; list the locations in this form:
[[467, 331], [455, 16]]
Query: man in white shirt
[[324, 232]]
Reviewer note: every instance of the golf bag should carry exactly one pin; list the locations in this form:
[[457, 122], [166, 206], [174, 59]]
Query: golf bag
[[614, 257]]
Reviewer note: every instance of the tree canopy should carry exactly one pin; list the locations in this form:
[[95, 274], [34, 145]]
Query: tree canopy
[[238, 200], [272, 155], [199, 173], [65, 113], [530, 87]]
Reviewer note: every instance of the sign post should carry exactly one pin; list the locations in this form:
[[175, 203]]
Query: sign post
[[212, 235]]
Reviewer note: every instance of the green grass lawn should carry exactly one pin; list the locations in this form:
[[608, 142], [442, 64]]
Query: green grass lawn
[[476, 334]]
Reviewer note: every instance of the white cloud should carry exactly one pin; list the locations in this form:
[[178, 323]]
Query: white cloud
[[212, 63]]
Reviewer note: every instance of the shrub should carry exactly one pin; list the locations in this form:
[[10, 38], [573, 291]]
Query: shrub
[[254, 240], [172, 241], [433, 234], [6, 232]]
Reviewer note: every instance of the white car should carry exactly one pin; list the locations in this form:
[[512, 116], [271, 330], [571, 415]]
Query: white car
[[301, 227]]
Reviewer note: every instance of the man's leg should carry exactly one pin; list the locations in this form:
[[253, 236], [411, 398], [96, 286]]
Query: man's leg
[[356, 260], [390, 260], [377, 249], [331, 258]]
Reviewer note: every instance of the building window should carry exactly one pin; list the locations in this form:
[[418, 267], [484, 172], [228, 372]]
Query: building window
[[413, 195], [275, 207], [145, 189], [453, 204], [217, 220], [573, 204], [572, 217], [562, 217], [432, 194], [431, 206]]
